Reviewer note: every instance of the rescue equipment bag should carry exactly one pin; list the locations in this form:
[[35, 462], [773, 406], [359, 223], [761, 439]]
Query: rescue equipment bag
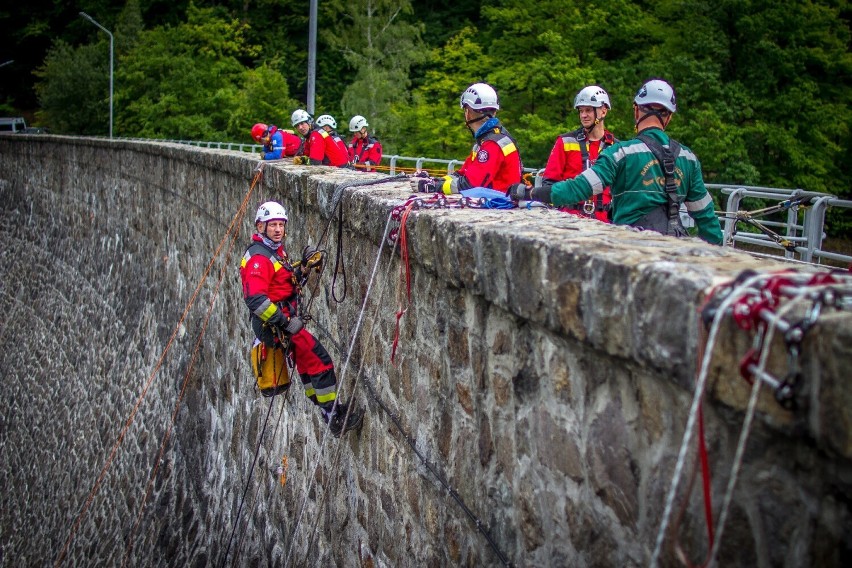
[[270, 368]]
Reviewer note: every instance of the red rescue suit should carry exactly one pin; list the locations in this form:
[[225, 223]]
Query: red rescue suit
[[321, 149], [573, 153], [340, 143], [271, 292], [494, 162], [367, 151]]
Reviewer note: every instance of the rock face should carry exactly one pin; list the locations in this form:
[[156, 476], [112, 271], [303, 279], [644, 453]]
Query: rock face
[[545, 371]]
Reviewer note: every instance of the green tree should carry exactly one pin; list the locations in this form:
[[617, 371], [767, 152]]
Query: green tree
[[431, 123], [184, 81], [376, 40], [73, 89]]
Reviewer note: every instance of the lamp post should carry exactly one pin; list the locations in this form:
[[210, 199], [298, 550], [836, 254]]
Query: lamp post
[[5, 63], [91, 19], [312, 56]]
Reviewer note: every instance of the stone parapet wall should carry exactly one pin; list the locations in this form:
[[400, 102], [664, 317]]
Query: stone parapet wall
[[545, 369]]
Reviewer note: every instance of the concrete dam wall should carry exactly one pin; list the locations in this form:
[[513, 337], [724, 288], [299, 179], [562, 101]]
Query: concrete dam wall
[[534, 414]]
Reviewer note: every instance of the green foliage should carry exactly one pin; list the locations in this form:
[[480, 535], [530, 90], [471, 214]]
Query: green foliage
[[263, 98], [184, 81], [763, 86], [74, 92], [376, 40], [431, 123]]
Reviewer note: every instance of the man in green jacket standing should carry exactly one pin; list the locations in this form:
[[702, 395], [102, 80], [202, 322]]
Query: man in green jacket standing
[[650, 175]]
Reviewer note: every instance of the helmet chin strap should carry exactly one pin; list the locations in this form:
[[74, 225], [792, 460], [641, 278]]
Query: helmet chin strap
[[484, 116]]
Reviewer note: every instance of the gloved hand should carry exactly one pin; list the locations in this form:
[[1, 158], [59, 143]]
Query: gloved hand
[[520, 192], [312, 258], [293, 326], [425, 185], [301, 160]]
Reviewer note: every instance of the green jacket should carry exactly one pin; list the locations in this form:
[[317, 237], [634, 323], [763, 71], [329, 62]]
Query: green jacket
[[638, 184]]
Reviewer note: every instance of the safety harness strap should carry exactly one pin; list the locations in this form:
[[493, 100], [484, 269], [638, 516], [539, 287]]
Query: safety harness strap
[[666, 156]]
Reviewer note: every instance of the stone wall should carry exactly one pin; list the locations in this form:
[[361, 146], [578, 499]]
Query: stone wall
[[545, 371]]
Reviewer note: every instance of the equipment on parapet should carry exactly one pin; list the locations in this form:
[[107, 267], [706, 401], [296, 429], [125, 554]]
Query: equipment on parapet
[[762, 304]]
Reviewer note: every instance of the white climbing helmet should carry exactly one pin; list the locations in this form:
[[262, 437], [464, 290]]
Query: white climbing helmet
[[299, 116], [327, 120], [357, 123], [270, 211], [592, 96], [657, 92], [480, 96]]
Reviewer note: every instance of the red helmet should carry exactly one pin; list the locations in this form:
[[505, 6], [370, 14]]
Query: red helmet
[[258, 130]]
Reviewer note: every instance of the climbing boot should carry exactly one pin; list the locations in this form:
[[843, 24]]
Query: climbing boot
[[336, 425]]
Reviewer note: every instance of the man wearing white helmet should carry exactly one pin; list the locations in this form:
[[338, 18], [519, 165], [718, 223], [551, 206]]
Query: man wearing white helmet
[[327, 123], [272, 286], [651, 175], [576, 151], [364, 149], [494, 162], [319, 147]]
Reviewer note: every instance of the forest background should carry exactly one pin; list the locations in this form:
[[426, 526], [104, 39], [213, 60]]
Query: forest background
[[763, 86]]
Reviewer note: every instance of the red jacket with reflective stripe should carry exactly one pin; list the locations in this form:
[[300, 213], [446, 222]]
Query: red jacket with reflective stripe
[[320, 146], [264, 277], [494, 161], [362, 151], [566, 162]]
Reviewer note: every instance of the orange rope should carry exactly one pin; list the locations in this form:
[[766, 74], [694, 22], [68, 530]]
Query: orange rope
[[167, 435], [240, 213], [382, 168]]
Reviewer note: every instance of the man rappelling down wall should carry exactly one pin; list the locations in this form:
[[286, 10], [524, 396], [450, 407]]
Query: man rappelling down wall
[[272, 288]]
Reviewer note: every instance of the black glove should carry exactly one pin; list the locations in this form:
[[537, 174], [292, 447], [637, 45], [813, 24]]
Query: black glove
[[425, 185], [293, 326], [278, 319], [520, 192]]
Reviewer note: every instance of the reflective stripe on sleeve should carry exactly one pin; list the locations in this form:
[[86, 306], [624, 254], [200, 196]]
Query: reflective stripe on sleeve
[[266, 310], [594, 181], [700, 204]]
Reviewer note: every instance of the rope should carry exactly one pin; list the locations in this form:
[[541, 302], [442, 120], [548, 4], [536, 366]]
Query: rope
[[340, 383], [480, 526], [749, 417], [693, 411], [79, 519], [255, 500], [248, 481], [189, 370], [395, 420]]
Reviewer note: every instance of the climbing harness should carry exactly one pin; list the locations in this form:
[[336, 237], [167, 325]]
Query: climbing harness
[[666, 218], [757, 303]]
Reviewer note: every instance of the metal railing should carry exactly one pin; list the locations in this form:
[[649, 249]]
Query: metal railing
[[808, 236]]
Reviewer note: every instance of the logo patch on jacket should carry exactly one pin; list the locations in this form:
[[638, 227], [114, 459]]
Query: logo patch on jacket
[[482, 156]]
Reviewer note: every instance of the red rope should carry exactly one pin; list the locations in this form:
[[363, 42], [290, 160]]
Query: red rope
[[405, 272], [705, 478]]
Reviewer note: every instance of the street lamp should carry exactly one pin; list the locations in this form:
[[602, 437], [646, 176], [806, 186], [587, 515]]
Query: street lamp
[[312, 56], [91, 19], [7, 62]]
